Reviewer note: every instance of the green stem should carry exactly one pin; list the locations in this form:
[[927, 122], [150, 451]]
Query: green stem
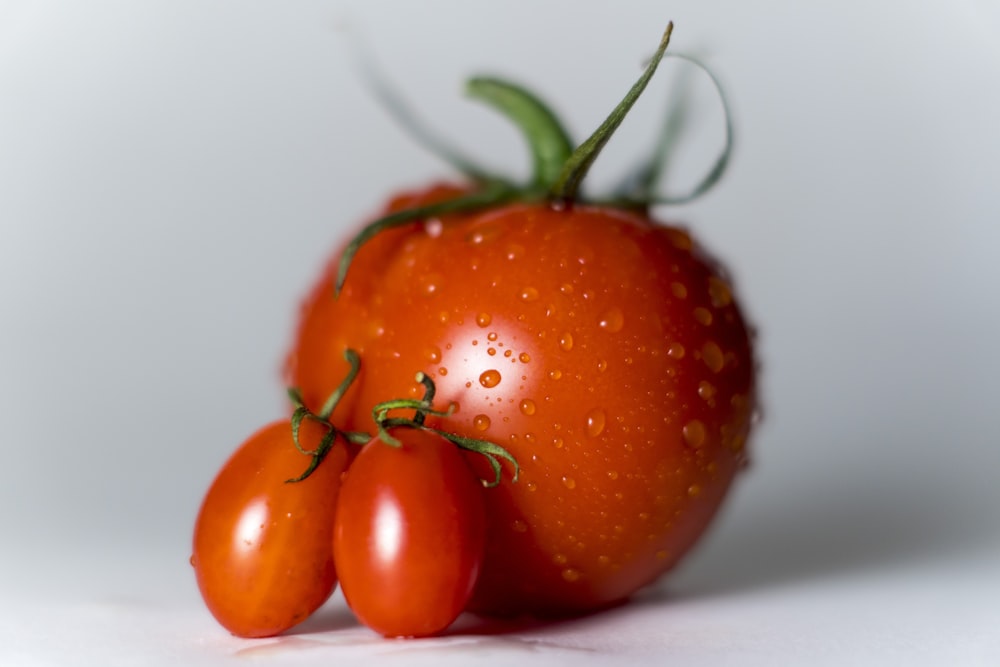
[[567, 184], [493, 194], [548, 141]]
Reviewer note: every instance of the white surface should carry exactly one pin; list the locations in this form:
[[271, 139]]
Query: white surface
[[172, 175]]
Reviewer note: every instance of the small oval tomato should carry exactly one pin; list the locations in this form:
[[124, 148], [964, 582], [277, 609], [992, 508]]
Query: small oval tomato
[[262, 553], [409, 534]]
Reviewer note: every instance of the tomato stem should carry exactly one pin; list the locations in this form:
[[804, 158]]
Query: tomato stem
[[493, 194], [548, 141], [323, 417], [384, 424], [567, 184]]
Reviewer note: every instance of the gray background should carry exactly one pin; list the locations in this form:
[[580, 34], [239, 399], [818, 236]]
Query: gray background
[[173, 175]]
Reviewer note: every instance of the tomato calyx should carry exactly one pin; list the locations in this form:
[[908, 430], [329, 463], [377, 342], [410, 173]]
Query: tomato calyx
[[558, 169], [322, 417], [423, 408]]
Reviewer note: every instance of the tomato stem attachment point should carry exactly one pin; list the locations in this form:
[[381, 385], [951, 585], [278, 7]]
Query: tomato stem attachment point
[[323, 417], [423, 407]]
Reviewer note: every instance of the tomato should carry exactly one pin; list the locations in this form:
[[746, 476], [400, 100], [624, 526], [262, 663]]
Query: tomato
[[409, 534], [262, 554], [601, 347]]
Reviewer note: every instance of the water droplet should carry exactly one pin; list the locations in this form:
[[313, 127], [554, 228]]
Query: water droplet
[[603, 560], [442, 371], [490, 378], [433, 227], [524, 357], [481, 422], [703, 316], [612, 475], [612, 321], [679, 238], [694, 491], [675, 351], [557, 443], [560, 559], [602, 365], [491, 336], [519, 526], [679, 290], [662, 554], [571, 575], [706, 390], [596, 419], [566, 341], [531, 486], [529, 294], [484, 319], [569, 482], [507, 353], [566, 288], [555, 374], [712, 356], [492, 351], [694, 433], [430, 284], [433, 354], [719, 293], [527, 407]]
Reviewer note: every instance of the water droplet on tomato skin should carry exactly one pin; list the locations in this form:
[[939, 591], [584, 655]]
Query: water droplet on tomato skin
[[519, 526], [712, 356], [524, 357], [481, 422], [694, 491], [484, 319], [491, 351], [706, 390], [566, 341], [703, 316], [491, 336], [570, 574], [490, 378], [433, 354], [694, 433], [569, 483], [679, 290], [675, 351], [596, 420], [527, 407], [555, 374], [529, 294], [612, 321], [719, 292]]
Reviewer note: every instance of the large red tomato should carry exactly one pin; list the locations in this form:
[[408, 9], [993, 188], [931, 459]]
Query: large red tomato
[[603, 349]]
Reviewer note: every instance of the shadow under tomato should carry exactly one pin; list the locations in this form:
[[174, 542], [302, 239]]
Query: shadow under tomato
[[841, 522]]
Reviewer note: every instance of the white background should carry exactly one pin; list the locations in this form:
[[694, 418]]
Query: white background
[[173, 174]]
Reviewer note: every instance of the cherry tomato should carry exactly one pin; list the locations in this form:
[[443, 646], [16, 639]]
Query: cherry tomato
[[409, 534], [262, 553]]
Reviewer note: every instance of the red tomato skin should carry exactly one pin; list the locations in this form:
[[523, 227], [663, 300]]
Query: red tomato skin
[[604, 350], [409, 535], [262, 555]]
